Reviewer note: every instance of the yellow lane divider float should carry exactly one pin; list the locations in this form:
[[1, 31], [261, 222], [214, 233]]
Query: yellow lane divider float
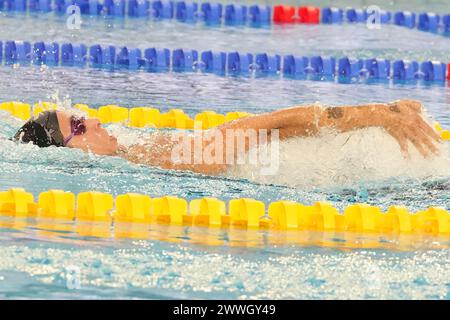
[[445, 134], [139, 117], [211, 212]]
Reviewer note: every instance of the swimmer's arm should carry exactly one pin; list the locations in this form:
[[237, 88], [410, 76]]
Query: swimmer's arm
[[307, 120], [401, 119], [297, 121]]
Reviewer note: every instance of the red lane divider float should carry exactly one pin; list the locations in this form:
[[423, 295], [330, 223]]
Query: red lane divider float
[[283, 14], [309, 15], [286, 14]]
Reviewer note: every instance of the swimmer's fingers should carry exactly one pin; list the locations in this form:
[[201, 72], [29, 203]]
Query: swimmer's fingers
[[429, 136], [418, 140], [430, 145], [423, 141], [429, 130], [429, 142], [402, 141]]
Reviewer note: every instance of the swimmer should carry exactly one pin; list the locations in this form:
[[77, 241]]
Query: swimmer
[[402, 119]]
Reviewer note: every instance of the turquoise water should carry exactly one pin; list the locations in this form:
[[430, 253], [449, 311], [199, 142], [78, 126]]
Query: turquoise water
[[163, 262]]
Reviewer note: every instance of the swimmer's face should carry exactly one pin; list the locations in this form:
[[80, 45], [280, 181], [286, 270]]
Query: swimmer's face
[[96, 139]]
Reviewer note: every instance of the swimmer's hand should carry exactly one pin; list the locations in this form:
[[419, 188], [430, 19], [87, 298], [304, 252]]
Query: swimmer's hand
[[402, 119], [405, 121]]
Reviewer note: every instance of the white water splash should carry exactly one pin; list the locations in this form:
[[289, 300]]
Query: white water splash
[[345, 159]]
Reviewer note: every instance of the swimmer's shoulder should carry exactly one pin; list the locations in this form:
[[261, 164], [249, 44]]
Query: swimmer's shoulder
[[151, 149]]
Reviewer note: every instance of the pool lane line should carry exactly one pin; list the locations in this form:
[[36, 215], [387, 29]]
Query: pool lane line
[[215, 14], [145, 117], [137, 117], [242, 213], [109, 57]]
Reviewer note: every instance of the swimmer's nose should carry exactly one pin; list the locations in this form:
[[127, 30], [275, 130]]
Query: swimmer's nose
[[94, 123]]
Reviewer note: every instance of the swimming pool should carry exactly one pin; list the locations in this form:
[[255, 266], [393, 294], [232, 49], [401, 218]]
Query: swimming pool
[[180, 262]]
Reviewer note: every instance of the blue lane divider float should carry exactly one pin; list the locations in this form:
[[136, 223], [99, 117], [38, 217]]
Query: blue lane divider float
[[350, 68], [155, 59], [17, 5], [325, 66], [405, 70], [405, 18], [138, 8], [295, 66], [238, 62], [212, 12], [184, 59], [186, 12], [114, 7], [433, 70], [356, 15], [129, 58], [163, 9], [51, 54], [428, 22], [235, 14], [102, 57], [378, 68], [73, 55], [332, 15], [260, 15], [385, 16], [213, 61], [17, 52], [446, 22], [267, 63]]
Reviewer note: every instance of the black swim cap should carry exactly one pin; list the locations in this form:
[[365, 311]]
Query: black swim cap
[[43, 131]]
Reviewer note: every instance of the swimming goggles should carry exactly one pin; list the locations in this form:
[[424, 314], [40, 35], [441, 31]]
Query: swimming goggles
[[77, 128]]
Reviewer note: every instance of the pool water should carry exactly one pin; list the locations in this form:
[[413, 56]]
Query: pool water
[[168, 262]]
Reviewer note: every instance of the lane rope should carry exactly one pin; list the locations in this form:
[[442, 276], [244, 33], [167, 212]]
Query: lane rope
[[243, 213], [344, 69], [232, 14]]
